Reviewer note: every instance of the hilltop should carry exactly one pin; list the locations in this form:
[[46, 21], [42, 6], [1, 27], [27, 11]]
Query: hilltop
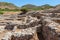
[[43, 8], [6, 5], [55, 9], [8, 8], [34, 7]]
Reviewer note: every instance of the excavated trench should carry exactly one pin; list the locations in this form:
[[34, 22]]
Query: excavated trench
[[40, 35], [39, 31]]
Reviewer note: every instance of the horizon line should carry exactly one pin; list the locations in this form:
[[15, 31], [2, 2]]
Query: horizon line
[[32, 4]]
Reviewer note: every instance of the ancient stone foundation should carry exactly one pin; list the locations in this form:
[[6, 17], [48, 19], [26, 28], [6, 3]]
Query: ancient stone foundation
[[30, 26]]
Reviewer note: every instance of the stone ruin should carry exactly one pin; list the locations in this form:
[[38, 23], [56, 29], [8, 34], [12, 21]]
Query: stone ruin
[[30, 26]]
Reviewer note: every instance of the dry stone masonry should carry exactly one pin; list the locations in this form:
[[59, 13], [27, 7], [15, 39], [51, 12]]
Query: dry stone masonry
[[31, 26]]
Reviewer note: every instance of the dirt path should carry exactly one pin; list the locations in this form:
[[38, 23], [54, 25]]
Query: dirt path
[[2, 34]]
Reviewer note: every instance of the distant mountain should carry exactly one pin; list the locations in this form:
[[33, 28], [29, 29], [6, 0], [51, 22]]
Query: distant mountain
[[4, 5], [55, 9], [46, 8], [30, 6]]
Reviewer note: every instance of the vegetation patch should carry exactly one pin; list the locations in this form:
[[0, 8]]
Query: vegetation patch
[[1, 12]]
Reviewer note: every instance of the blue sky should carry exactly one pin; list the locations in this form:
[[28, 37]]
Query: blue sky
[[34, 2]]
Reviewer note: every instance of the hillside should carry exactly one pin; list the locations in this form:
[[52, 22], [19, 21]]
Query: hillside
[[55, 9], [30, 6], [6, 5], [8, 8], [34, 7]]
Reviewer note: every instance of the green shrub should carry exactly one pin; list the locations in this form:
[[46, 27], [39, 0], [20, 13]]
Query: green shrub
[[7, 9], [1, 12], [24, 10]]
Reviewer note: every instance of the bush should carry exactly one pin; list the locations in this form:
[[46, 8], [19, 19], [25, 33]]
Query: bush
[[7, 9], [24, 10], [1, 12]]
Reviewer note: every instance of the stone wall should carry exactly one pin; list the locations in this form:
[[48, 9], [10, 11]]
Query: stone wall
[[23, 34], [51, 31]]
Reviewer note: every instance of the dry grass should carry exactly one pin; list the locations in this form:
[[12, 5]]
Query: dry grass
[[11, 12]]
